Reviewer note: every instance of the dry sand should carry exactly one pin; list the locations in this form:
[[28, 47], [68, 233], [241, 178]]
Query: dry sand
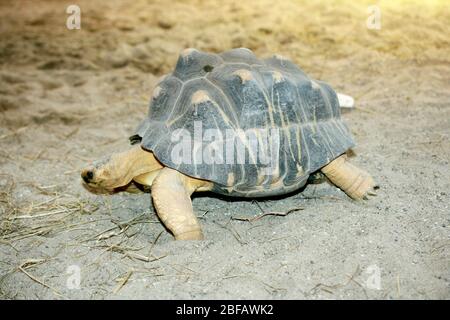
[[70, 96]]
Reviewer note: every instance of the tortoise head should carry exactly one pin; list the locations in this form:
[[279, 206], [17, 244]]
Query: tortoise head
[[115, 173], [103, 176]]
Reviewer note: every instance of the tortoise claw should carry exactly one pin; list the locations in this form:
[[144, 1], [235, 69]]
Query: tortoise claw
[[371, 193]]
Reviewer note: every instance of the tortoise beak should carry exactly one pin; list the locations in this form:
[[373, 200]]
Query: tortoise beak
[[87, 175]]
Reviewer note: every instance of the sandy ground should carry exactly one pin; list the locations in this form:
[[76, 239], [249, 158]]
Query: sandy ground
[[69, 96]]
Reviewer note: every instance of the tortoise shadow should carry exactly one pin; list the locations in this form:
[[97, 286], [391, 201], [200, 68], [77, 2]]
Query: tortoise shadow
[[209, 194]]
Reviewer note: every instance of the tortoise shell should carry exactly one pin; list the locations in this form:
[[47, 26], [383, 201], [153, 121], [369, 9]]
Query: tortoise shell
[[214, 110]]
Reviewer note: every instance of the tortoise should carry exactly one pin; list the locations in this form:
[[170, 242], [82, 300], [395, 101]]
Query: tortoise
[[233, 101]]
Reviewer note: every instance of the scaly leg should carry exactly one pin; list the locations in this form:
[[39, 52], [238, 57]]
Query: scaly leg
[[171, 193], [355, 182]]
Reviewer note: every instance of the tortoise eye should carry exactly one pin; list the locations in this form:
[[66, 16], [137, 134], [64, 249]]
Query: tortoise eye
[[208, 68]]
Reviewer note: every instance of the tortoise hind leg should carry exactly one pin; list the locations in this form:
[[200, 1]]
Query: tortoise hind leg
[[171, 193], [317, 177], [355, 182]]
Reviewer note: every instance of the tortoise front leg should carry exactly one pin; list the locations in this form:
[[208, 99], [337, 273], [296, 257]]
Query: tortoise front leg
[[355, 182], [171, 193]]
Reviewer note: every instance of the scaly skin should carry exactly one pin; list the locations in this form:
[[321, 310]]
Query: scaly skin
[[118, 170], [171, 193], [355, 182]]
